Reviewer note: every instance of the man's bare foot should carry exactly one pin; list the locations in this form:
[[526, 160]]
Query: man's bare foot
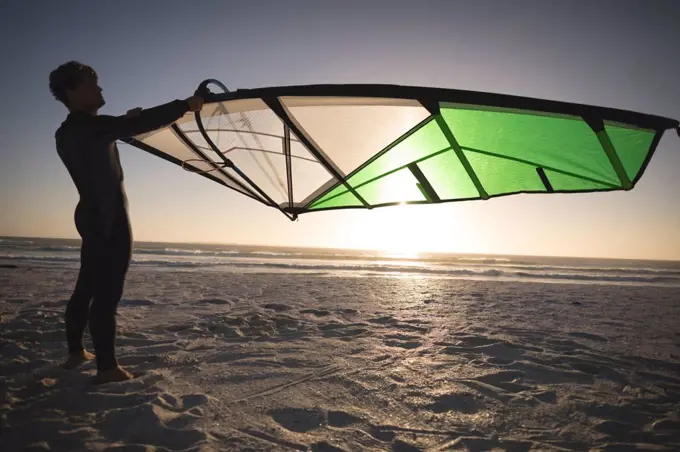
[[75, 359], [112, 375]]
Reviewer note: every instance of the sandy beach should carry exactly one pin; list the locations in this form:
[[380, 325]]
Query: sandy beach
[[370, 226], [261, 361]]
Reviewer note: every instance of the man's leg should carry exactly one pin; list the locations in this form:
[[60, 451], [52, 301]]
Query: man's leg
[[113, 259], [78, 306]]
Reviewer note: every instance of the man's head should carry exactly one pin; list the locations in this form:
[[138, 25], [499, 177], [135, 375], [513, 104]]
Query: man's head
[[76, 86]]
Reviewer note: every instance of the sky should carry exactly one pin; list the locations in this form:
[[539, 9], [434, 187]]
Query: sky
[[620, 54]]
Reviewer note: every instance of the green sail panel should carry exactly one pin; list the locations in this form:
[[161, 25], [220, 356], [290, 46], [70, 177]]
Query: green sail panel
[[565, 143], [504, 148], [330, 197], [631, 145], [397, 187], [448, 177], [564, 182], [343, 198], [424, 142], [501, 176]]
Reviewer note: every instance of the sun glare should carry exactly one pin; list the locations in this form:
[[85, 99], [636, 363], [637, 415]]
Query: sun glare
[[400, 231]]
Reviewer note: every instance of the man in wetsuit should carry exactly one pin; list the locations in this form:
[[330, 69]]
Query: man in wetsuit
[[86, 144]]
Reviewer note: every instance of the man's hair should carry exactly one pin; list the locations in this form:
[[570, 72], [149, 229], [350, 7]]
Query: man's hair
[[68, 76]]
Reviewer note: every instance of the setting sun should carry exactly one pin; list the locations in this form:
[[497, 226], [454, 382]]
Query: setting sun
[[404, 230]]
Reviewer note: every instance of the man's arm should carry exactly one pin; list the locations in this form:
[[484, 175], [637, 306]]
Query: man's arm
[[117, 127]]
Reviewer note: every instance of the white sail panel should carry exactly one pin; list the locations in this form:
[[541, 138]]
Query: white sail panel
[[172, 145], [352, 130]]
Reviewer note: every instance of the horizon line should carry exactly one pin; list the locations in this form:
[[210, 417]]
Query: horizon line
[[417, 253]]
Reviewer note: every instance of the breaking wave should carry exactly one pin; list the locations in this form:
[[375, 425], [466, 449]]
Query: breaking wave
[[233, 261]]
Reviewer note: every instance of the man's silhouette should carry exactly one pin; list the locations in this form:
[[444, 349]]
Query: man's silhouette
[[86, 143]]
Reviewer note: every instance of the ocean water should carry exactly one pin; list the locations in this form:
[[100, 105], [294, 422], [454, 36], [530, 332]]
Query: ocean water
[[41, 252]]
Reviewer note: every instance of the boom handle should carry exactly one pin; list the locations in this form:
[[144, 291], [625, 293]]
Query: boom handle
[[205, 92]]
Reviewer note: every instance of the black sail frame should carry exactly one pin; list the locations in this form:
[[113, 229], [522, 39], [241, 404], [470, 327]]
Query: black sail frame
[[202, 90]]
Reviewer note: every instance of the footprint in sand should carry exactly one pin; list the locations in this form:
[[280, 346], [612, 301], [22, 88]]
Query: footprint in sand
[[402, 341], [341, 419], [154, 424], [407, 325], [278, 307], [544, 375], [593, 369], [545, 396], [666, 425], [380, 434], [380, 358], [402, 446], [342, 330], [192, 401], [497, 361], [316, 312], [234, 321], [384, 320], [401, 337], [461, 402], [284, 321], [226, 330], [298, 420], [176, 328], [161, 420], [625, 412], [325, 446], [615, 429], [216, 301]]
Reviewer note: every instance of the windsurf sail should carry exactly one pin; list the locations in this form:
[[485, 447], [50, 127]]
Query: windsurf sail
[[312, 148]]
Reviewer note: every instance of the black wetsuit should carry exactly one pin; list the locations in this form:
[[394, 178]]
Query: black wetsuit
[[87, 146]]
